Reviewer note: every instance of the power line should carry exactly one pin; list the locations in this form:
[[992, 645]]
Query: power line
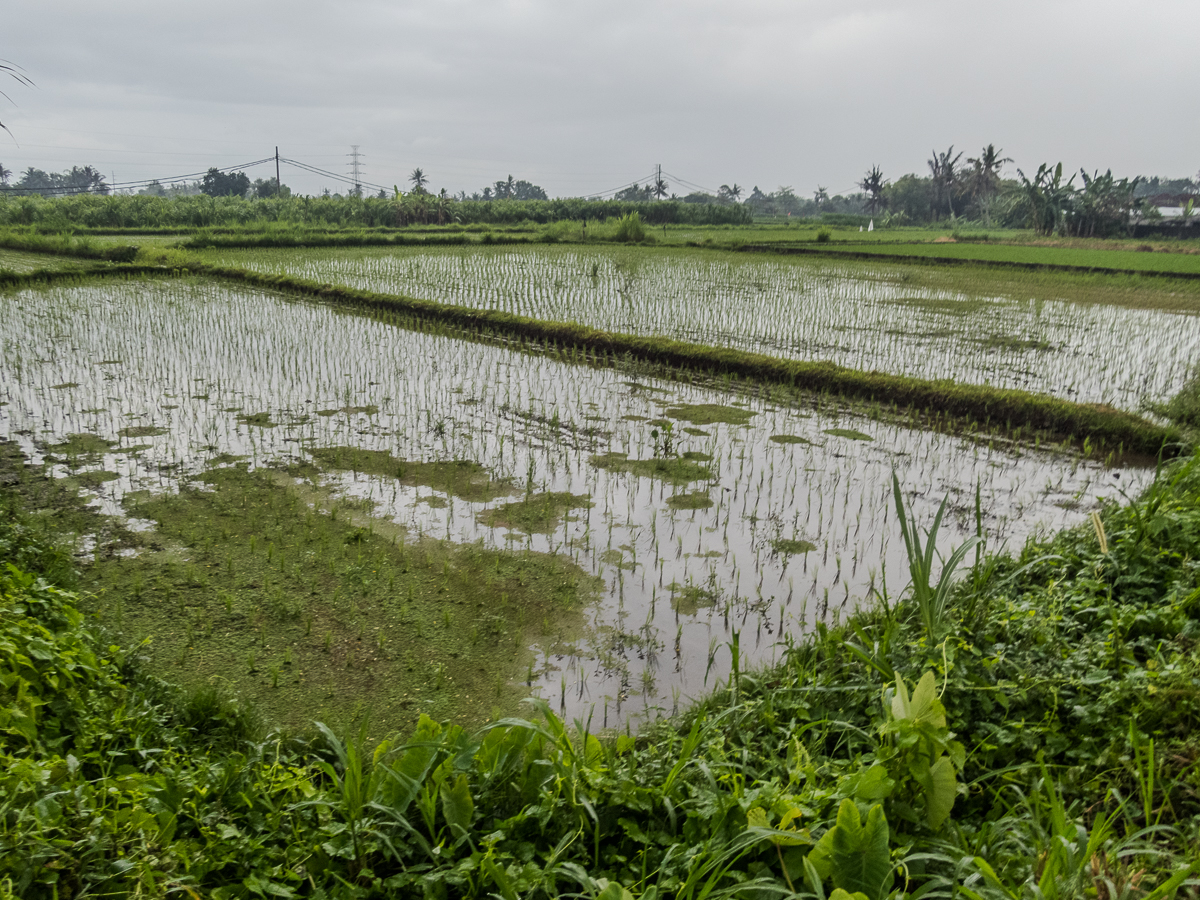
[[690, 184], [132, 185], [326, 173], [648, 178]]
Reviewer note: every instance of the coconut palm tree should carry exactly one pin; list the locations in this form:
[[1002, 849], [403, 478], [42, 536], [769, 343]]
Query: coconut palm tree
[[874, 184], [660, 189], [419, 180], [13, 71], [984, 180], [5, 174], [442, 206], [944, 169]]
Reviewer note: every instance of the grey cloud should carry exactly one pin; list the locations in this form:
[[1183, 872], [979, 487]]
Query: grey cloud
[[585, 96]]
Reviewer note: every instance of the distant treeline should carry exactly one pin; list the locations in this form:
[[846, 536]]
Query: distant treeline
[[1051, 200], [146, 212]]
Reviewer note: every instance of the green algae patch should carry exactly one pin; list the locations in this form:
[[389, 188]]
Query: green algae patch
[[697, 456], [695, 432], [93, 480], [314, 611], [710, 414], [690, 599], [964, 307], [460, 478], [1015, 344], [691, 500], [537, 513], [257, 420], [849, 433], [673, 470], [78, 449], [140, 431], [792, 546], [368, 409], [56, 504], [65, 386], [789, 439]]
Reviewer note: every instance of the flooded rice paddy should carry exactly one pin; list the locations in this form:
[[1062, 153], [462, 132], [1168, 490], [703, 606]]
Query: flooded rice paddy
[[703, 511], [1042, 333]]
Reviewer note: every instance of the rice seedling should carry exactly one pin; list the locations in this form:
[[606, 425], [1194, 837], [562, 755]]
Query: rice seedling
[[759, 522], [1062, 335]]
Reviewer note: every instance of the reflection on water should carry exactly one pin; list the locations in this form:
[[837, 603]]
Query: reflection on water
[[760, 516], [862, 315]]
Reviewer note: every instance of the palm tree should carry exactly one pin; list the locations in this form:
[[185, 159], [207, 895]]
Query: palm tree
[[820, 196], [660, 189], [14, 71], [442, 206], [984, 179], [419, 180], [944, 169], [874, 184], [5, 174]]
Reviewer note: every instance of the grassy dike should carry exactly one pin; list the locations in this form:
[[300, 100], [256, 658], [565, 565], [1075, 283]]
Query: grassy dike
[[1034, 732]]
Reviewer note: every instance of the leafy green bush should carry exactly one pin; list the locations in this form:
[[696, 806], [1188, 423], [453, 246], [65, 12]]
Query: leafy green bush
[[1067, 696], [629, 229], [824, 234], [1184, 408]]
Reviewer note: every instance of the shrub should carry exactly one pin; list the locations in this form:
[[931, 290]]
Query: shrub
[[630, 229]]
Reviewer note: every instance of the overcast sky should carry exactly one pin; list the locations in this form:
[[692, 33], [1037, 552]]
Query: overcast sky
[[582, 98]]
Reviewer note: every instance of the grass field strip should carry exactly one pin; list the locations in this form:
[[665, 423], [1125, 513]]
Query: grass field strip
[[21, 263], [865, 316], [164, 378]]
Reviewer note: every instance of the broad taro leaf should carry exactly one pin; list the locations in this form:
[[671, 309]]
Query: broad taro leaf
[[874, 784], [925, 706], [457, 806], [939, 792], [859, 858]]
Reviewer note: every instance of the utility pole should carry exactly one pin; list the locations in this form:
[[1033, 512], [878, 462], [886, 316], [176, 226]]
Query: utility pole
[[277, 185], [356, 169]]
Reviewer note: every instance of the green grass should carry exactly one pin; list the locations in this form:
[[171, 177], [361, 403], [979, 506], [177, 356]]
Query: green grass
[[465, 479], [1046, 746], [672, 470], [709, 414], [1074, 257], [25, 263], [690, 500], [537, 513], [322, 613]]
